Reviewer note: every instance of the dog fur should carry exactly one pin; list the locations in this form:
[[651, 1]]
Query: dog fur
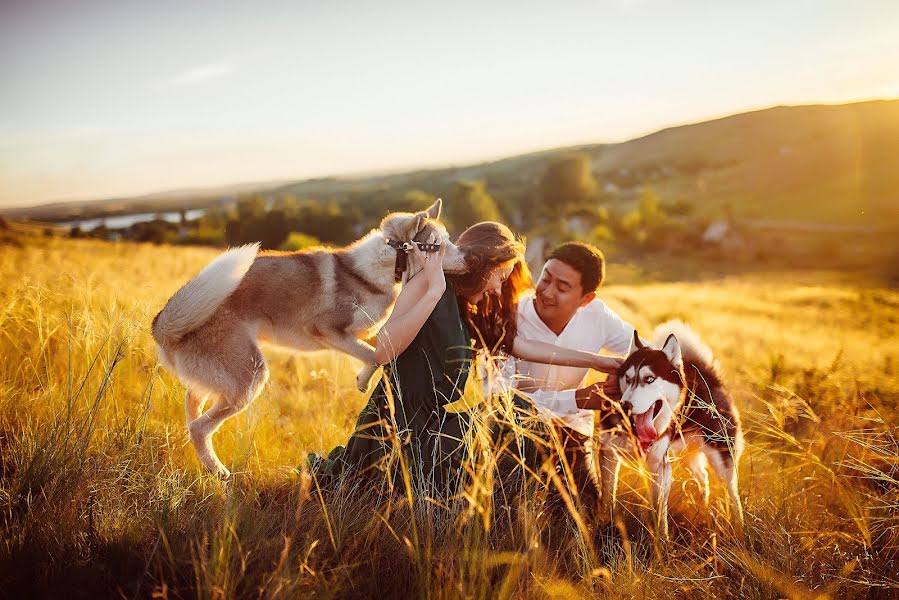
[[676, 406], [315, 299]]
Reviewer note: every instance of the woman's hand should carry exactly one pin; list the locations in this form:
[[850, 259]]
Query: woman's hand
[[416, 301], [433, 266], [607, 364]]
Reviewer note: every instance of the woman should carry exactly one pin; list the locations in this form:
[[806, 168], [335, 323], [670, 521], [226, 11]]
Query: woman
[[427, 345]]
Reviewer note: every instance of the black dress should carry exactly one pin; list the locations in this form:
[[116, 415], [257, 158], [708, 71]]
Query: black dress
[[406, 409]]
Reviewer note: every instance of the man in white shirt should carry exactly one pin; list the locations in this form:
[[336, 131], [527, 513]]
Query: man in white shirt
[[564, 310]]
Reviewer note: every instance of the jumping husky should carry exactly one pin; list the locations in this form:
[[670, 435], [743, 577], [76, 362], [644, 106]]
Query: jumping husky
[[677, 405], [310, 300]]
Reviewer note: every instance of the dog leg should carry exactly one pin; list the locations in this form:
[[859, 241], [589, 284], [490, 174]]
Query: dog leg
[[660, 487], [696, 463], [726, 470], [201, 431], [193, 405], [204, 427], [357, 348], [363, 378]]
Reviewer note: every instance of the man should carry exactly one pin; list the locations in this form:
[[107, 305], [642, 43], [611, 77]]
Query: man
[[564, 310]]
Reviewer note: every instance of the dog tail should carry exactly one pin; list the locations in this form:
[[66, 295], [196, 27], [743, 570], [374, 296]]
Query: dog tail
[[197, 301], [692, 348]]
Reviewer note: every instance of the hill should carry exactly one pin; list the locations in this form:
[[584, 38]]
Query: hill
[[830, 164]]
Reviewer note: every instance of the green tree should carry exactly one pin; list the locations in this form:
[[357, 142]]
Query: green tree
[[250, 207], [469, 204], [567, 183]]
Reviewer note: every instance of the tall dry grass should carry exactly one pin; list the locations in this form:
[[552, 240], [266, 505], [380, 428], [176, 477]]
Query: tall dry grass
[[101, 494]]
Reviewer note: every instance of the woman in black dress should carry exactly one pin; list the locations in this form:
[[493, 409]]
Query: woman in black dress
[[426, 347]]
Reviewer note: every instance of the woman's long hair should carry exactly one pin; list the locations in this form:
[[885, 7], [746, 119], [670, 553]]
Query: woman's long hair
[[492, 322]]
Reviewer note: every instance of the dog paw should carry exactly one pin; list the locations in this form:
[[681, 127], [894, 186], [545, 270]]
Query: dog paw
[[221, 471], [364, 378]]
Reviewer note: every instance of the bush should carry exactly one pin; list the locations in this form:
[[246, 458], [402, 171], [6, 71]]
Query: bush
[[601, 233], [299, 241]]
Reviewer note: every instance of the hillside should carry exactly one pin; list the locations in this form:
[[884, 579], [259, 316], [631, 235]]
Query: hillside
[[816, 164], [834, 164]]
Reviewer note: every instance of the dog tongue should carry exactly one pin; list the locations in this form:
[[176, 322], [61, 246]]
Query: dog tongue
[[645, 430]]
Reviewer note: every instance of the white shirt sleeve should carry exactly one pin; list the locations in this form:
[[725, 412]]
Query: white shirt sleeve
[[560, 403], [618, 334]]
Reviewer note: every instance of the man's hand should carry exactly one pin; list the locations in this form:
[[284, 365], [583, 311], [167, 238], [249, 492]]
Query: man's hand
[[611, 387], [593, 398]]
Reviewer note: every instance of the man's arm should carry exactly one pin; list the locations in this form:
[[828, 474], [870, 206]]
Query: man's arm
[[567, 402]]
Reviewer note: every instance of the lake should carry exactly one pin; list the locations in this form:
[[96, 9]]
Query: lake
[[122, 221]]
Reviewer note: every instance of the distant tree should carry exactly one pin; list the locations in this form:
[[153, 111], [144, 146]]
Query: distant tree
[[290, 205], [469, 204], [650, 207], [158, 231], [213, 218], [567, 182], [331, 222], [250, 207], [269, 229]]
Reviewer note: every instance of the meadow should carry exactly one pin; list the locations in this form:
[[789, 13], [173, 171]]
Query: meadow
[[101, 494]]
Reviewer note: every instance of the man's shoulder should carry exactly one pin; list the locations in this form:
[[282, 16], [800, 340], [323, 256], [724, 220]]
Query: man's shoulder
[[596, 307]]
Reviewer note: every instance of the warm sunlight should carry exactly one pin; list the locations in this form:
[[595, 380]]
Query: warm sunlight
[[588, 299], [225, 95]]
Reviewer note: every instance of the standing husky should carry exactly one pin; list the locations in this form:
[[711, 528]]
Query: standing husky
[[676, 404], [309, 300]]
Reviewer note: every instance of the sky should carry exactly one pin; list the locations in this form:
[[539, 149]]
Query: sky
[[118, 98]]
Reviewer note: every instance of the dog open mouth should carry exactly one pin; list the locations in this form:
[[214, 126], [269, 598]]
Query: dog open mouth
[[644, 427]]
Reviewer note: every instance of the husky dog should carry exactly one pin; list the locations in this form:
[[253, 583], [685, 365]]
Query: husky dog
[[316, 299], [676, 405]]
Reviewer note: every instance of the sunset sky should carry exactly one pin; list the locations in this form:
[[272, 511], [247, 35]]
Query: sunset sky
[[109, 98]]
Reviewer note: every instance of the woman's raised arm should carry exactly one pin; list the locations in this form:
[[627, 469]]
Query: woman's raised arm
[[551, 354], [414, 305]]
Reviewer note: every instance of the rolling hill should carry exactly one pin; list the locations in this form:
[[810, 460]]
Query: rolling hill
[[829, 164]]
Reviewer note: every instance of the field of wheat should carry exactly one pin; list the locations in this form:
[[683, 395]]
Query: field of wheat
[[101, 493]]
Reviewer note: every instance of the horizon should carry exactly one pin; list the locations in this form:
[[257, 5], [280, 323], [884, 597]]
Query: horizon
[[211, 125]]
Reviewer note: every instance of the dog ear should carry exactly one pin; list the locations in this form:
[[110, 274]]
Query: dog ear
[[431, 212], [636, 343], [434, 210], [672, 350]]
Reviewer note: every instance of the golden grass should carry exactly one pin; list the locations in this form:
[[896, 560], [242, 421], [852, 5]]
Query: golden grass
[[101, 494]]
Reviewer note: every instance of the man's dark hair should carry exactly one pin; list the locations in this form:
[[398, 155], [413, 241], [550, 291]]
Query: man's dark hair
[[586, 260]]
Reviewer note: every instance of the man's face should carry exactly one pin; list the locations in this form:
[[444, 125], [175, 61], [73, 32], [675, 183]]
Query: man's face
[[559, 292]]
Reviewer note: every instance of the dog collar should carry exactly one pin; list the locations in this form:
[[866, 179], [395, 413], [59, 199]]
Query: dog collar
[[402, 257]]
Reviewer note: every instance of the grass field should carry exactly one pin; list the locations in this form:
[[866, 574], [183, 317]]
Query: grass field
[[101, 493]]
